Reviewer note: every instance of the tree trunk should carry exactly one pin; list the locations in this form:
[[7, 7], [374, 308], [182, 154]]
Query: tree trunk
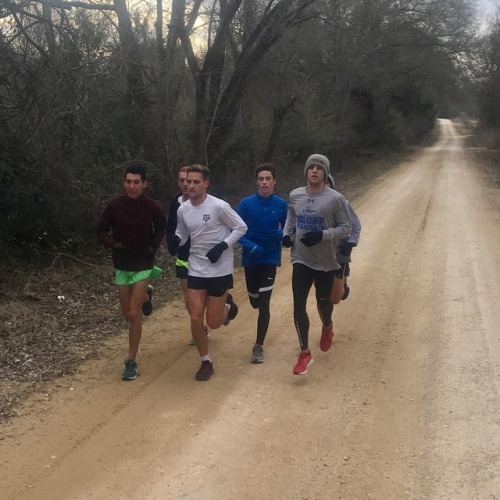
[[131, 54]]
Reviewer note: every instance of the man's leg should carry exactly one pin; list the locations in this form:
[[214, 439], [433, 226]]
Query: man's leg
[[337, 290], [264, 316], [198, 302], [184, 288], [302, 279], [216, 311], [131, 300], [197, 305], [338, 287], [323, 282]]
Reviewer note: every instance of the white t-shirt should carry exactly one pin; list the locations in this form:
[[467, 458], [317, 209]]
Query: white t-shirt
[[208, 224]]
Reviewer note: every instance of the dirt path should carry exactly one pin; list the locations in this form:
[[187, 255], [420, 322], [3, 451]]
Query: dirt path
[[405, 405]]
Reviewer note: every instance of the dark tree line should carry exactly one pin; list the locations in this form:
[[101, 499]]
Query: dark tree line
[[85, 86]]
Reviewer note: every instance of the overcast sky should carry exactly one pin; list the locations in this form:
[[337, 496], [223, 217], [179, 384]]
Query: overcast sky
[[487, 7]]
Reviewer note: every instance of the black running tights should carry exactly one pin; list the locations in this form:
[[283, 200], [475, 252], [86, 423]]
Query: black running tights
[[302, 279], [263, 304]]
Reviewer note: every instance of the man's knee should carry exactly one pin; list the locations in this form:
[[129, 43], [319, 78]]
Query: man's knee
[[213, 324], [133, 314], [254, 302], [196, 316]]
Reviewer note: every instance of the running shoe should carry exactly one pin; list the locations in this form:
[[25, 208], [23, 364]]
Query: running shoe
[[326, 338], [232, 310], [257, 354], [304, 361], [147, 307], [205, 371], [346, 291], [130, 372]]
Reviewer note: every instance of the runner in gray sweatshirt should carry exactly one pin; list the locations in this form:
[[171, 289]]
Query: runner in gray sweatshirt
[[317, 220]]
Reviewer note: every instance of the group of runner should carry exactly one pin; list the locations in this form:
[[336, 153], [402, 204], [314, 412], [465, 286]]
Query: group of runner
[[318, 224]]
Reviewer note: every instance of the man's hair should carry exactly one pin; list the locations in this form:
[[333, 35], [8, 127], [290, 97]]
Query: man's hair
[[201, 169], [265, 166], [136, 167], [184, 168]]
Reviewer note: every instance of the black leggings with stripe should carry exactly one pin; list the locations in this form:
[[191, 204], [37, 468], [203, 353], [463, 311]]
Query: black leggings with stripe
[[303, 278]]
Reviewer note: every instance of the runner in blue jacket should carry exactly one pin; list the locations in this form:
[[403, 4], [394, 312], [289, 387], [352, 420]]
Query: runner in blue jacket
[[265, 214]]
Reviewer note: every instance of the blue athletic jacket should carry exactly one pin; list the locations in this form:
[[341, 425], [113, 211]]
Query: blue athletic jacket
[[265, 218]]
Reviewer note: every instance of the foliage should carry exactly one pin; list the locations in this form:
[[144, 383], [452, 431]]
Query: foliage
[[87, 86], [489, 102]]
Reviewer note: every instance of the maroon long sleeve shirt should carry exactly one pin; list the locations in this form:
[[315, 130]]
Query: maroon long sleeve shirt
[[139, 225]]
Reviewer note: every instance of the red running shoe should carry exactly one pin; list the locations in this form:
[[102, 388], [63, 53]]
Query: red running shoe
[[326, 338], [305, 359]]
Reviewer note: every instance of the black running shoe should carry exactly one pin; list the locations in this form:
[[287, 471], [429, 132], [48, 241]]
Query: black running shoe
[[130, 372], [205, 371], [232, 311], [147, 307]]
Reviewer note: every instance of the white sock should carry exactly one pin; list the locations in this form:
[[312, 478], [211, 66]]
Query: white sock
[[206, 358]]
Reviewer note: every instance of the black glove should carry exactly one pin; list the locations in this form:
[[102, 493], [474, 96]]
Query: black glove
[[312, 238], [214, 254], [346, 248], [287, 241], [173, 242]]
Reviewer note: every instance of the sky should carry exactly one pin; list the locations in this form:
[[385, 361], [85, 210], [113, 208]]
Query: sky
[[487, 7]]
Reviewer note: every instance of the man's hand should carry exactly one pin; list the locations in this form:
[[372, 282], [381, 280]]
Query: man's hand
[[312, 238], [173, 242], [346, 248], [214, 254], [117, 244], [287, 241]]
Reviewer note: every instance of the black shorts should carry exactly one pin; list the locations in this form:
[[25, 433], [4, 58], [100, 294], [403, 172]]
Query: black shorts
[[215, 287], [259, 279], [344, 271]]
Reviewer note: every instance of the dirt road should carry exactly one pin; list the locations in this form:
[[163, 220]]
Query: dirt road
[[405, 405]]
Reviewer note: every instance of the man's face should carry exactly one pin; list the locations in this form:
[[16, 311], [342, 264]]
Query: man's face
[[182, 183], [134, 186], [265, 183], [197, 187], [315, 175]]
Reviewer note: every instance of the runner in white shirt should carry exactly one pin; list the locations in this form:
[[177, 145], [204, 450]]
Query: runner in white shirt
[[214, 227]]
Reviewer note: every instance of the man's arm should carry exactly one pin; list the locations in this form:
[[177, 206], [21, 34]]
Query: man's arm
[[237, 226], [356, 226], [172, 217], [159, 225], [342, 222], [244, 241], [182, 232], [103, 228], [234, 222], [290, 225]]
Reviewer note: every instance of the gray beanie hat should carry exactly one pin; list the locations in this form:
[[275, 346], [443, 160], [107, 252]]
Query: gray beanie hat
[[320, 160], [329, 180]]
